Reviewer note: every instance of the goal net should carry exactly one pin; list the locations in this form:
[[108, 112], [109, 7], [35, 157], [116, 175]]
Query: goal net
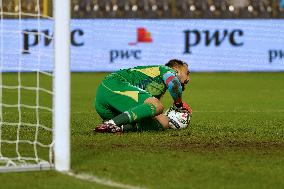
[[29, 84]]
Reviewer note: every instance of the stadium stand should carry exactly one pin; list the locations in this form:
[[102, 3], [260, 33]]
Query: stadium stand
[[212, 9]]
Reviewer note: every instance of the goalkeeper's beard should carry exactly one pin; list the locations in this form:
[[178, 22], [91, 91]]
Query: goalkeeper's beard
[[183, 86]]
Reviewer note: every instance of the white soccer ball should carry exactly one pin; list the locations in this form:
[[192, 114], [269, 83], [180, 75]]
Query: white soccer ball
[[178, 119]]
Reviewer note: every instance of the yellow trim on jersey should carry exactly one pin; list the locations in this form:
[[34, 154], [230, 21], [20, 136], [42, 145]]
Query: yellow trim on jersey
[[131, 94], [151, 72]]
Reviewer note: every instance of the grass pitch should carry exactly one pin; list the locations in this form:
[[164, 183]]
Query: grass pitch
[[235, 139]]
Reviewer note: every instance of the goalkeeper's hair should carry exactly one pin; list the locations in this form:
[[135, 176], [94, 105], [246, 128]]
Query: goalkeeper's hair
[[175, 62]]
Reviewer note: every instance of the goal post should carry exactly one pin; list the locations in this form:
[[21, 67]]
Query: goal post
[[62, 84], [34, 85]]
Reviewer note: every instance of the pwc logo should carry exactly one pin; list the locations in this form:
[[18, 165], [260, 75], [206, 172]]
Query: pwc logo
[[142, 36], [35, 37]]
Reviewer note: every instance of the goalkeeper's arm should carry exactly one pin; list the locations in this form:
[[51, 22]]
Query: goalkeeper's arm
[[174, 86]]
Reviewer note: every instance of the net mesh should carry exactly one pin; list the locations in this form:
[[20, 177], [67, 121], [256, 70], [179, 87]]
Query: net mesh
[[26, 80]]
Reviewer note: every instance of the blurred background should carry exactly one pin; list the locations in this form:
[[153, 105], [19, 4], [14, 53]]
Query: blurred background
[[213, 35], [156, 9]]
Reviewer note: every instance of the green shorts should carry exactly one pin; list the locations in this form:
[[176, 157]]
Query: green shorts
[[115, 95]]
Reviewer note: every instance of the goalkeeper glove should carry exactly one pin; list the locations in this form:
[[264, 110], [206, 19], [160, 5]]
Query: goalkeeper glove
[[183, 106]]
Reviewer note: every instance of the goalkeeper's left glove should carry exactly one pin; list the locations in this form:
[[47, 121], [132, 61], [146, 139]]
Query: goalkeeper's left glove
[[187, 107], [183, 106]]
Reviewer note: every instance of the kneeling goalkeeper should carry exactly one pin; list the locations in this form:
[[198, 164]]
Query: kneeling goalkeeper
[[129, 99]]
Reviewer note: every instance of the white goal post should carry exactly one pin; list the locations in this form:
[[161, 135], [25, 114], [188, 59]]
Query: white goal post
[[29, 116], [62, 85]]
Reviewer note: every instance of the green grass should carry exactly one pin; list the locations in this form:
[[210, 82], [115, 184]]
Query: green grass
[[235, 140]]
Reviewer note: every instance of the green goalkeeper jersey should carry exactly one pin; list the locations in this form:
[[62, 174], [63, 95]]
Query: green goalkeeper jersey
[[149, 78]]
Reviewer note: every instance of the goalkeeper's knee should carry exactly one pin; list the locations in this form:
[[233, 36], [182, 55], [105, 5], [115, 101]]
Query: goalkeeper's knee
[[157, 103]]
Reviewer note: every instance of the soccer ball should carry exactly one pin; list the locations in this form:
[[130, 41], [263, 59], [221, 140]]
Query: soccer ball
[[178, 119]]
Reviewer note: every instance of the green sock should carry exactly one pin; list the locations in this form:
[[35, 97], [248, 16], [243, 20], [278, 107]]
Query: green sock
[[121, 119], [135, 114], [129, 127]]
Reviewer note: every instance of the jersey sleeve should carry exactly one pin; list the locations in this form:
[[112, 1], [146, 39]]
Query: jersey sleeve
[[174, 86]]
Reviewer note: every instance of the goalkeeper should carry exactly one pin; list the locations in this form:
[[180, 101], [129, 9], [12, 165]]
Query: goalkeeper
[[129, 99]]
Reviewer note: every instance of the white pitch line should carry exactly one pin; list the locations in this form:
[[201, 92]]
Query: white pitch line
[[102, 181]]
